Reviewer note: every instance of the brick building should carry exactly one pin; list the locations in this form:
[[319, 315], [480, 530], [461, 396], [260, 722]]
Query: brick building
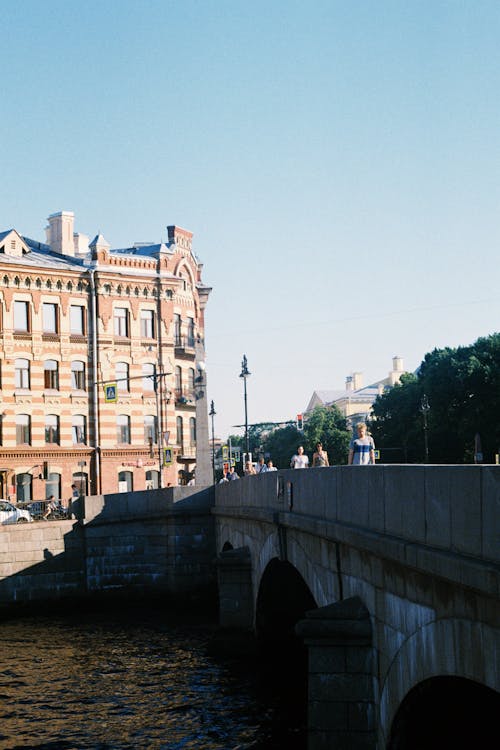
[[102, 364]]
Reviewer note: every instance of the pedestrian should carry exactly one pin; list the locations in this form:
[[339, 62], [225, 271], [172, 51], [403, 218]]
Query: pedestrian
[[299, 460], [362, 448], [249, 469], [320, 456], [224, 477], [232, 474], [261, 467], [271, 466], [51, 507]]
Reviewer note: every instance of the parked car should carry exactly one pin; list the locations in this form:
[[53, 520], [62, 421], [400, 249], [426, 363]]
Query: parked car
[[10, 514]]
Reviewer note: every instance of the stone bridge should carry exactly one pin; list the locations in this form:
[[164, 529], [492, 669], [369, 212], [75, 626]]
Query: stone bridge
[[390, 577]]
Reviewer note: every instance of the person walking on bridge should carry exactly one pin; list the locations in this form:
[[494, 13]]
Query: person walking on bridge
[[362, 448], [300, 460], [320, 456]]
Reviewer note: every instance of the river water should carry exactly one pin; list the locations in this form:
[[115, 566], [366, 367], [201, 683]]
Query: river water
[[136, 677]]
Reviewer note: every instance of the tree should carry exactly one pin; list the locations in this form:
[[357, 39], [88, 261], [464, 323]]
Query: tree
[[326, 425], [462, 386], [323, 424]]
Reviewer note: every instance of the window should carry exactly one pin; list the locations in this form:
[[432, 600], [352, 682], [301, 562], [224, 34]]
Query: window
[[22, 373], [178, 380], [53, 486], [125, 481], [180, 431], [122, 377], [190, 332], [148, 380], [123, 425], [192, 430], [191, 379], [150, 429], [147, 324], [79, 429], [51, 374], [50, 317], [21, 316], [78, 375], [177, 330], [121, 322], [77, 320], [80, 484], [52, 429], [152, 480], [23, 429], [24, 492]]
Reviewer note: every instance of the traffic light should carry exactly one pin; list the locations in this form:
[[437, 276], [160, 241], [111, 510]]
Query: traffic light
[[300, 422]]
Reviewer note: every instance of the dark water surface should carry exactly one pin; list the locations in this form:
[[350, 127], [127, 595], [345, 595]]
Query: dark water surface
[[133, 678]]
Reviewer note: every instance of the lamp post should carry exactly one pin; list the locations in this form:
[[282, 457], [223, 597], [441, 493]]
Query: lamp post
[[245, 374], [212, 414], [424, 408]]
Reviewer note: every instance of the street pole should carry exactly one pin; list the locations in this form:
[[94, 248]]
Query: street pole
[[245, 374], [212, 414], [157, 379], [424, 408]]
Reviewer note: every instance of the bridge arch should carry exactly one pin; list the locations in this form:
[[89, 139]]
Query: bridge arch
[[425, 662], [446, 712]]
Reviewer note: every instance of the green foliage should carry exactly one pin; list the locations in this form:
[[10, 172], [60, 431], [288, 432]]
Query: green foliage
[[327, 426], [463, 389], [324, 424]]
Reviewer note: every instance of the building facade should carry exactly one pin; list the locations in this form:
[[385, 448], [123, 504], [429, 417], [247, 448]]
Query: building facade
[[103, 380], [355, 402]]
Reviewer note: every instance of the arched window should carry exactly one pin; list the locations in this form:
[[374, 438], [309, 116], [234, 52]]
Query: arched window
[[22, 373], [52, 429], [191, 381], [190, 341], [180, 431], [148, 380], [79, 429], [53, 486], [24, 493], [122, 377], [123, 425], [152, 480], [178, 381], [125, 481], [78, 375], [51, 374], [23, 429], [150, 429], [192, 430]]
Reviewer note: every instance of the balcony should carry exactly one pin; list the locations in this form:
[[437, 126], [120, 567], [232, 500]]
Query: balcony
[[184, 345], [185, 397], [187, 451]]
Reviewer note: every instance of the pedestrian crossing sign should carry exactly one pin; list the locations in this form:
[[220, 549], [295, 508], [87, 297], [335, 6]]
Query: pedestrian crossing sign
[[167, 457], [110, 393]]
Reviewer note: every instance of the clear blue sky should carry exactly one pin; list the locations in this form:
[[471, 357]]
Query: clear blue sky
[[338, 163]]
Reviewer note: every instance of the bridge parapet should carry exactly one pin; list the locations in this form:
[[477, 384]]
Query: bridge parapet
[[452, 508]]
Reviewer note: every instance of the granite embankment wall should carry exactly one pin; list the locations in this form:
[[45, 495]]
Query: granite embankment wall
[[161, 540]]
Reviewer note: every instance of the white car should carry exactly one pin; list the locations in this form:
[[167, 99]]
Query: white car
[[10, 514]]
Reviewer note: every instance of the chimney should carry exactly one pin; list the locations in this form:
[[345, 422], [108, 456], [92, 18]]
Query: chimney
[[357, 380], [60, 232], [397, 370]]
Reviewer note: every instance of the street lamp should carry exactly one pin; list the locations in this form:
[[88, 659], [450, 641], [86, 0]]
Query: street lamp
[[212, 414], [245, 374], [424, 408]]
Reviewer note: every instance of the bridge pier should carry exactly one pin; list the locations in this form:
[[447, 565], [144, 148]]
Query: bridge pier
[[341, 704], [234, 572]]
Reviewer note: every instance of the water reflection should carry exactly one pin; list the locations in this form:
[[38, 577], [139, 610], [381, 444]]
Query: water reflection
[[134, 678]]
